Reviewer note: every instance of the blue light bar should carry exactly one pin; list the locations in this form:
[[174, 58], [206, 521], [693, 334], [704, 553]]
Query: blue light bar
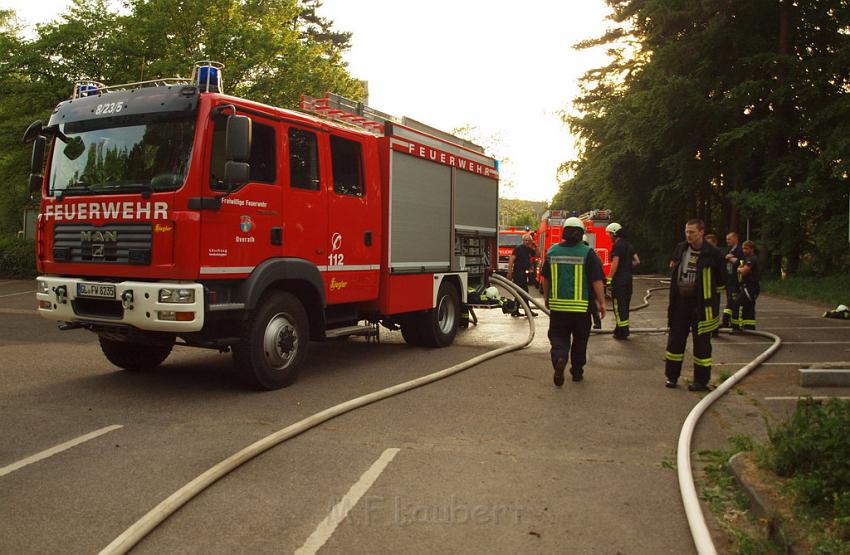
[[208, 78], [88, 89]]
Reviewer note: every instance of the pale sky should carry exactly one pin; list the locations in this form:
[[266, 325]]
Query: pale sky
[[502, 66]]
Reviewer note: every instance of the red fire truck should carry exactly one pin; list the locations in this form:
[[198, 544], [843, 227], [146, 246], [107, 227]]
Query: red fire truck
[[595, 222], [510, 237], [551, 226], [172, 211]]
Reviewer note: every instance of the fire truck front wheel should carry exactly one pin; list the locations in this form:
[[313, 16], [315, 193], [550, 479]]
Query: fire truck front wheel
[[274, 342], [135, 357]]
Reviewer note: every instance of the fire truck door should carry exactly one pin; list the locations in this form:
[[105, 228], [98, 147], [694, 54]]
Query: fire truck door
[[240, 234], [353, 248], [305, 213]]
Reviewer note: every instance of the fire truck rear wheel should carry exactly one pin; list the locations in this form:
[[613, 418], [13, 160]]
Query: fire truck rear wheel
[[441, 322], [274, 342], [135, 357]]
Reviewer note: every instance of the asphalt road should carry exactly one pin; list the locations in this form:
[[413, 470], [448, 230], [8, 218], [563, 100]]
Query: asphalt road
[[495, 459]]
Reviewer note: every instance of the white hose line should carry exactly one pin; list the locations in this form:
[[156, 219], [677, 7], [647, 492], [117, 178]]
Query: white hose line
[[136, 532], [693, 511], [690, 499]]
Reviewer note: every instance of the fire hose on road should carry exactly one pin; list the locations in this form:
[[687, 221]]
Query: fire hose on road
[[690, 499], [702, 539]]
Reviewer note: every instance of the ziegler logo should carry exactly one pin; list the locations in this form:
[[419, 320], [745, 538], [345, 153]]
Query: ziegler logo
[[99, 237], [336, 285]]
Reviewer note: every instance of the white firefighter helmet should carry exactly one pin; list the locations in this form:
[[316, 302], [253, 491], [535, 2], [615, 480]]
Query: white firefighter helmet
[[491, 292], [841, 308], [613, 228], [574, 222]]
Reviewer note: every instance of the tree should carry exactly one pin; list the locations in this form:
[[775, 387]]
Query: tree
[[273, 51], [728, 110]]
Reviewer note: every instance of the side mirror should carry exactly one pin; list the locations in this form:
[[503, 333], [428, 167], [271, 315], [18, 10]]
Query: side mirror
[[236, 174], [237, 144], [32, 132], [38, 147], [37, 163], [74, 148]]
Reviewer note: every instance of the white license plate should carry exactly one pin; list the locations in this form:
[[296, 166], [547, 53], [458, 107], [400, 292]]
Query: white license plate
[[96, 290], [503, 266]]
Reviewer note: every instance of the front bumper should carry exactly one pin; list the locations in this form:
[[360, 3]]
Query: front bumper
[[135, 303]]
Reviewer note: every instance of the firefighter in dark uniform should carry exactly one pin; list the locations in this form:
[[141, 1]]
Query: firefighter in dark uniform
[[748, 288], [697, 279], [623, 259], [572, 280], [520, 265], [734, 255]]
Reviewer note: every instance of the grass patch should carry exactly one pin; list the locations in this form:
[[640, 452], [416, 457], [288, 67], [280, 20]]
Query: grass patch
[[17, 257], [812, 452], [832, 290], [729, 504]]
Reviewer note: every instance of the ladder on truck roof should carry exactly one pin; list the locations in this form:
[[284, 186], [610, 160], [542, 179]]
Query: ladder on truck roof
[[597, 215], [345, 110]]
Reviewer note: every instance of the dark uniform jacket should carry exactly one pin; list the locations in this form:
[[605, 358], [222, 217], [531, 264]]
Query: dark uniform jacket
[[710, 283]]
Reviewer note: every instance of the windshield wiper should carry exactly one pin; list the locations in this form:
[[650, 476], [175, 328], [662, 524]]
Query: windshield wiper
[[76, 188]]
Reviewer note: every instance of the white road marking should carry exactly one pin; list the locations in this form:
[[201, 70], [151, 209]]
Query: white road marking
[[16, 294], [800, 397], [338, 513], [58, 449], [793, 342]]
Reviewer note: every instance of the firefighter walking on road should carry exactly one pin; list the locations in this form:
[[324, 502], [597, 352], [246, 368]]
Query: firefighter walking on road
[[748, 288], [623, 259], [572, 280], [696, 282]]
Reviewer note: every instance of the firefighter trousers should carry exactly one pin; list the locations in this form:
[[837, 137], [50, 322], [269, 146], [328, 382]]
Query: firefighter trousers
[[568, 336], [684, 321], [731, 310], [746, 316], [621, 296]]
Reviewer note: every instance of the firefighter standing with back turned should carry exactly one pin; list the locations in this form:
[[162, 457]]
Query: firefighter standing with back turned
[[572, 280], [695, 286], [623, 259]]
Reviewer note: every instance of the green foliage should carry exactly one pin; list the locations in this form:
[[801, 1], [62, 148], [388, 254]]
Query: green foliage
[[17, 257], [813, 450], [733, 111], [832, 290], [273, 51], [521, 213]]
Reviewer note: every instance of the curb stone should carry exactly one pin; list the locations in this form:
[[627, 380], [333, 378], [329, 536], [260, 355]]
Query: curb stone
[[762, 507]]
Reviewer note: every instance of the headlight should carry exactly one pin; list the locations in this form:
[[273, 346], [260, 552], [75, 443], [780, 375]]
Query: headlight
[[43, 287], [176, 295]]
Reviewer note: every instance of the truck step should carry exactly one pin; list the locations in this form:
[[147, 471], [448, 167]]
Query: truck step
[[351, 330]]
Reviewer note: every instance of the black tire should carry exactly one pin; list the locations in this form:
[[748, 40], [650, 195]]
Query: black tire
[[135, 357], [439, 325], [411, 330], [274, 342]]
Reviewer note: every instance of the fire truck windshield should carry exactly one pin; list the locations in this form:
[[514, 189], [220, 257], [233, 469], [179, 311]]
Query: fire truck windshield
[[510, 239], [134, 156]]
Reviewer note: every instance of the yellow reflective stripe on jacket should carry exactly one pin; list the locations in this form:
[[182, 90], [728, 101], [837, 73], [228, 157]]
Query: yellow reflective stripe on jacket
[[564, 305], [706, 283]]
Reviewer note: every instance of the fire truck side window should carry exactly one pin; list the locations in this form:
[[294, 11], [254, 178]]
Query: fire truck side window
[[263, 159], [346, 160], [303, 159]]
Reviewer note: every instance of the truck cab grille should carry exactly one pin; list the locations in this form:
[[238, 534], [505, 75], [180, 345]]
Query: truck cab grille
[[118, 243]]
